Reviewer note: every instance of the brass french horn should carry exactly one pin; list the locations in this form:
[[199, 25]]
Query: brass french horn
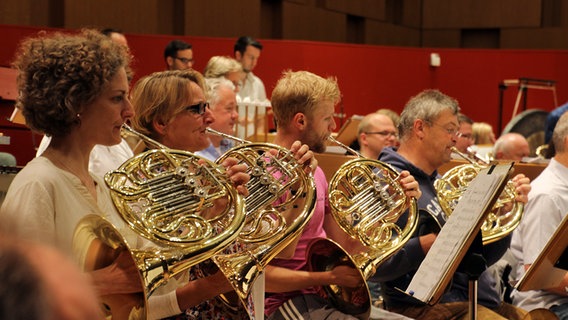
[[505, 215], [184, 204], [370, 205], [280, 203]]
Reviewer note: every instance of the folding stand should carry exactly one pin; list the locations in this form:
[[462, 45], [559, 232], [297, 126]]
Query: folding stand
[[523, 84], [475, 265]]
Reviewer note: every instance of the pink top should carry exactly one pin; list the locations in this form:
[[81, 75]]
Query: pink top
[[314, 229]]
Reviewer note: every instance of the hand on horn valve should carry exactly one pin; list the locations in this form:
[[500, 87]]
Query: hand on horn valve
[[410, 185], [304, 156], [237, 174], [522, 187]]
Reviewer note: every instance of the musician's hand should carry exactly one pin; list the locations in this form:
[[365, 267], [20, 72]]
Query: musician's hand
[[522, 187], [346, 276], [304, 156], [410, 185], [237, 174], [121, 276], [426, 241]]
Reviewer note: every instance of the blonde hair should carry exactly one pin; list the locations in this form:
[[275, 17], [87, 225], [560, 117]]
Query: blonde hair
[[482, 133], [299, 92], [161, 96], [393, 115], [219, 66]]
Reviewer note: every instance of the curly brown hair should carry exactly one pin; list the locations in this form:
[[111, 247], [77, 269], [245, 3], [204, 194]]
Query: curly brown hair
[[59, 74]]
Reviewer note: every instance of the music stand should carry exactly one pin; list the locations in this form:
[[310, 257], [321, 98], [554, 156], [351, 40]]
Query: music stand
[[551, 265], [348, 131], [457, 236]]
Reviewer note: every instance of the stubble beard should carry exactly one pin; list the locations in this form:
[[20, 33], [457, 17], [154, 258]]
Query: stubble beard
[[315, 142]]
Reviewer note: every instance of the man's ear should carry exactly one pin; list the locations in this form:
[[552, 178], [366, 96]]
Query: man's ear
[[169, 61], [418, 128], [362, 139], [238, 55], [159, 126], [300, 121]]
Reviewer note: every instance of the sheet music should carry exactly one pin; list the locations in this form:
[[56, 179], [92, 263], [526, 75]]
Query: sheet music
[[459, 228]]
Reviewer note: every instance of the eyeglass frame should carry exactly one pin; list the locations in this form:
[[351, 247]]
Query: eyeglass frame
[[454, 132], [198, 108], [184, 60], [383, 133], [465, 135]]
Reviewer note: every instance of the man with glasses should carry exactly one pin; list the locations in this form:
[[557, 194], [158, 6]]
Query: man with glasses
[[465, 137], [178, 55], [375, 132], [428, 131]]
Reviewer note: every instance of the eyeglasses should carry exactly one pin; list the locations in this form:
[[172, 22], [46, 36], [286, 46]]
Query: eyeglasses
[[468, 136], [451, 131], [197, 108], [184, 60], [384, 133]]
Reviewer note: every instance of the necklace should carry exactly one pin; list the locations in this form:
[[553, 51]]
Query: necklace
[[86, 180]]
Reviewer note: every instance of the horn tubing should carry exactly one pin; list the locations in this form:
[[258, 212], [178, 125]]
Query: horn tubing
[[346, 147], [224, 135]]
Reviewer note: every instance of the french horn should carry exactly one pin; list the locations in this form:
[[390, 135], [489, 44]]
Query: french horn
[[183, 204], [369, 204], [505, 215], [281, 201]]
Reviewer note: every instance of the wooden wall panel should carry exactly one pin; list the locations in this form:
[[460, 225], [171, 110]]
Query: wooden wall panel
[[381, 33], [441, 38], [204, 18], [541, 38], [310, 23], [304, 2], [480, 38], [271, 19], [25, 12], [128, 15], [563, 12], [410, 13], [481, 13], [374, 9], [383, 22]]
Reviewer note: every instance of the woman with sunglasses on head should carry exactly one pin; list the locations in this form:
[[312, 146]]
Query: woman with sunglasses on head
[[171, 108]]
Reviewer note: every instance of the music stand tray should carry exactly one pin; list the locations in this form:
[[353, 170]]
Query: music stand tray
[[348, 132], [550, 267]]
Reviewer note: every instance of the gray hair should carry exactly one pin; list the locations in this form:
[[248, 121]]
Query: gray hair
[[560, 133], [426, 106], [213, 86]]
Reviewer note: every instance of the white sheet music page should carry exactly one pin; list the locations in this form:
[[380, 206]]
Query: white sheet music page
[[459, 227]]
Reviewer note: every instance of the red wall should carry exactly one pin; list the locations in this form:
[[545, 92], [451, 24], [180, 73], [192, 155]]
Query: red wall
[[372, 76]]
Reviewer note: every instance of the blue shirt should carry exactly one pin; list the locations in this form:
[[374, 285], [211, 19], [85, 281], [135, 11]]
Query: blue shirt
[[211, 153]]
